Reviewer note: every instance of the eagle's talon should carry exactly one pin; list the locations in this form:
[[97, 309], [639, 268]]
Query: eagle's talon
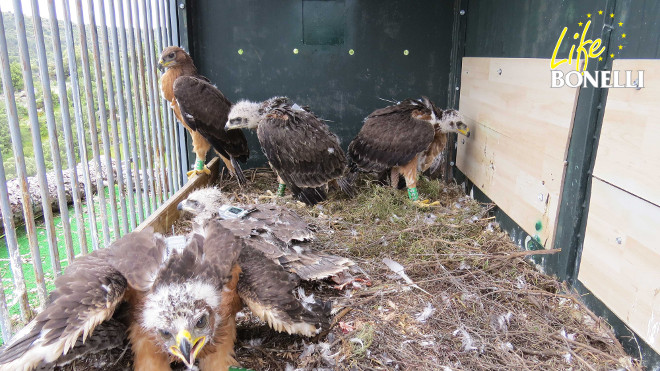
[[194, 172], [426, 203]]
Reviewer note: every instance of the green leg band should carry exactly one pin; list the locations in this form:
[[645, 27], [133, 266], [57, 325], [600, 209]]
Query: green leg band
[[412, 194], [280, 189], [199, 164]]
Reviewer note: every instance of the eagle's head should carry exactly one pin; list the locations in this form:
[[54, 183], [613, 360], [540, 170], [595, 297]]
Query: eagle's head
[[182, 317], [244, 114], [203, 204], [173, 56], [450, 121]]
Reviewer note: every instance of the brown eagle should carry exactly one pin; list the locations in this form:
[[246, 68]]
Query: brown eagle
[[403, 139], [181, 301], [279, 233], [300, 148], [202, 109]]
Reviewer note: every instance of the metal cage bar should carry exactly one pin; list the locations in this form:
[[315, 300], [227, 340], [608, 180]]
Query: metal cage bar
[[107, 68], [141, 166], [36, 138], [122, 115], [66, 120], [80, 131], [52, 133], [167, 128], [130, 123], [153, 88], [7, 216], [91, 117], [154, 181], [98, 78]]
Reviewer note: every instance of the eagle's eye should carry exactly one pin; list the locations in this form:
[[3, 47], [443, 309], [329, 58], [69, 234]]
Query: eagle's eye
[[201, 323], [165, 334], [171, 55], [452, 124]]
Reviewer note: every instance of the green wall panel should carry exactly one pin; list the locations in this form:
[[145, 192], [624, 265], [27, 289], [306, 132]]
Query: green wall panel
[[337, 85]]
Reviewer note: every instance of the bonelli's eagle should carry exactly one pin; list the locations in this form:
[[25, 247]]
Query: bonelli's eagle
[[404, 139], [181, 301], [202, 109], [279, 233], [300, 148]]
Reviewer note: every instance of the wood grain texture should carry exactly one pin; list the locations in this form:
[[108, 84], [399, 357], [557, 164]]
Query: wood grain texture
[[628, 150], [621, 256], [520, 132], [162, 219]]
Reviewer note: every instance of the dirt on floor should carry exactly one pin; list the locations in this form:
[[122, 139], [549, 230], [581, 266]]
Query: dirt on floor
[[443, 288]]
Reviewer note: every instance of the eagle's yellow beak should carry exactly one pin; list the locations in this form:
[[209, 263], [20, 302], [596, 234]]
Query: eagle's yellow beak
[[162, 65], [463, 129], [186, 349]]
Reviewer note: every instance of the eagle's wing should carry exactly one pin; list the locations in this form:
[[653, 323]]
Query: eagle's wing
[[268, 291], [204, 108], [85, 296], [282, 222], [390, 137], [301, 148], [107, 342]]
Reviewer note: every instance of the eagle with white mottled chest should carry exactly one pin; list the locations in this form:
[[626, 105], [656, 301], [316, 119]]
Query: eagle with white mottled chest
[[202, 109], [300, 148], [403, 139]]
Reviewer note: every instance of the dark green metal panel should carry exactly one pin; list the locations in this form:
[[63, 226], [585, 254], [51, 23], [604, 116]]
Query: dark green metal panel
[[522, 28], [337, 85], [641, 24]]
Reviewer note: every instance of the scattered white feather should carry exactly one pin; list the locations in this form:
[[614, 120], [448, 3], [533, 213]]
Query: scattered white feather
[[430, 219], [466, 339], [304, 299], [566, 335], [520, 282], [426, 313], [255, 342], [400, 270], [507, 347], [307, 351], [331, 150], [504, 320], [568, 357]]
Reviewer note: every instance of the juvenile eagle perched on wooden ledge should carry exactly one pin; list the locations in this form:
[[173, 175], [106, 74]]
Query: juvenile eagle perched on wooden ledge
[[300, 148], [202, 109], [404, 139], [181, 301]]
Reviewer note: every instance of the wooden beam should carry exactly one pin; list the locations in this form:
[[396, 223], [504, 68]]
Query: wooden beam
[[163, 218]]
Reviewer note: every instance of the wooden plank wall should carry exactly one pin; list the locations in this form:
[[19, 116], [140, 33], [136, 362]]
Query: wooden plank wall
[[621, 254], [520, 131]]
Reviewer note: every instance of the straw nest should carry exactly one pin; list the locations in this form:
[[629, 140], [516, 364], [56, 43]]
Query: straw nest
[[475, 302]]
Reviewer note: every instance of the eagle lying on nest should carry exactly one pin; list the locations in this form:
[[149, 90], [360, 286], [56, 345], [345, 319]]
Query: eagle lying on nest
[[180, 301], [279, 233], [403, 139], [300, 148], [202, 109]]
